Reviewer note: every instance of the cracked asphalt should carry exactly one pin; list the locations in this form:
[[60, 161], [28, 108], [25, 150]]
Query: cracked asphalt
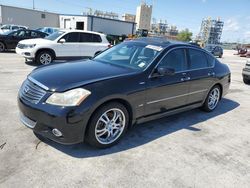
[[191, 149]]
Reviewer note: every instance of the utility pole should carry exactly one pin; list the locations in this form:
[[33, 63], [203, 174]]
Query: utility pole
[[33, 4]]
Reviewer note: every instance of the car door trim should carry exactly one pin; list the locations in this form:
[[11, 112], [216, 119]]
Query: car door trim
[[168, 98]]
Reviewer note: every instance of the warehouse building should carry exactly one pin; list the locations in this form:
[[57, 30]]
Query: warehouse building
[[28, 17], [108, 26]]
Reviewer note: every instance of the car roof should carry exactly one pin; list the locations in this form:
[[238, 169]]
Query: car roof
[[161, 41], [82, 31]]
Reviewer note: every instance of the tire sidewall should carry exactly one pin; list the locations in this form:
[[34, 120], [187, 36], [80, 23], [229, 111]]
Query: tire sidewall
[[41, 53], [90, 132], [4, 48], [205, 105]]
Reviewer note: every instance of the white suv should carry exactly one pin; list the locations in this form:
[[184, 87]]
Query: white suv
[[64, 44]]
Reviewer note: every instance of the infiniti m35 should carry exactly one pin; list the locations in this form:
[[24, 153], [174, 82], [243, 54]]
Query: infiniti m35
[[97, 100]]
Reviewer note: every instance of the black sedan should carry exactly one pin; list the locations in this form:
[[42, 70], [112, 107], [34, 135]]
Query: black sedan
[[10, 39], [97, 100]]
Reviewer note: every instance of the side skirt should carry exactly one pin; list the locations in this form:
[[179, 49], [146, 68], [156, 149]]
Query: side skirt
[[168, 113]]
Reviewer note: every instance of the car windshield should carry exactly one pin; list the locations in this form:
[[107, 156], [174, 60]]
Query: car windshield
[[54, 35], [130, 54], [9, 33]]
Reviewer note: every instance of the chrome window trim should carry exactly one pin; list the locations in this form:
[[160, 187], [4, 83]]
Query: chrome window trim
[[185, 48], [168, 98], [38, 83]]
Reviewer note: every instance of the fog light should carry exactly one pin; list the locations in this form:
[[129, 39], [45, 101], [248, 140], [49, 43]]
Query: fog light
[[56, 132], [27, 53]]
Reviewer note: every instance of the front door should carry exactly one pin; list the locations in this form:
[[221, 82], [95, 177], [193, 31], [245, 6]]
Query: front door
[[169, 92], [71, 46]]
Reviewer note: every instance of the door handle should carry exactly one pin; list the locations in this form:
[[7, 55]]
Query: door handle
[[185, 79], [211, 74]]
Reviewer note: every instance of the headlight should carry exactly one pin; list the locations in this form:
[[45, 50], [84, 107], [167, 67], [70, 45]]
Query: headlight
[[72, 97], [29, 45]]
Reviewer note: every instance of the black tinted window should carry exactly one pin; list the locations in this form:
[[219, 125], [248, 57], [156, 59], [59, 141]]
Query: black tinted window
[[34, 34], [88, 37], [210, 60], [198, 59], [96, 38], [71, 37], [176, 60], [23, 33]]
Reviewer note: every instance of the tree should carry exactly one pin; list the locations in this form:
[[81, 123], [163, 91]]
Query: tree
[[185, 35]]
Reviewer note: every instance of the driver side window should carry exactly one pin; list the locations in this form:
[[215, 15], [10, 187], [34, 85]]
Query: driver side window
[[176, 60]]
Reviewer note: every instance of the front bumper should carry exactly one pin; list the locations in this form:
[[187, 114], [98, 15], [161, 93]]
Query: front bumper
[[28, 53], [71, 124]]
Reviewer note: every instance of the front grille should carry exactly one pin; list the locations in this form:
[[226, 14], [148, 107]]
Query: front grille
[[31, 92], [21, 46]]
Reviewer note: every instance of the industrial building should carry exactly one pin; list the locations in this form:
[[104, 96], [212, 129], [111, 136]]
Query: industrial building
[[210, 32], [105, 25], [99, 21], [143, 16], [28, 17]]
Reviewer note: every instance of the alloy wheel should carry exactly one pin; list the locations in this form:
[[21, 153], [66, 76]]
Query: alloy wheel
[[213, 98], [110, 126], [45, 59]]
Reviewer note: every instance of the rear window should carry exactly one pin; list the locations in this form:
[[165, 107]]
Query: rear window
[[198, 59], [211, 60], [88, 37]]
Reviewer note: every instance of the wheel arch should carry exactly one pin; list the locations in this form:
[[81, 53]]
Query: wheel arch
[[122, 101], [5, 45], [221, 89], [46, 49]]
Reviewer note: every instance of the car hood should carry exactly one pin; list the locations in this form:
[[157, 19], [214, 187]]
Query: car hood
[[36, 41], [65, 76]]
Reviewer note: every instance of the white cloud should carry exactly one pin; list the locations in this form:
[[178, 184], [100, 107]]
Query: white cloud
[[232, 24]]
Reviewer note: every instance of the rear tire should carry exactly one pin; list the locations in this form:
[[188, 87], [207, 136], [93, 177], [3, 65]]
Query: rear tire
[[44, 57], [2, 47], [212, 99], [107, 126]]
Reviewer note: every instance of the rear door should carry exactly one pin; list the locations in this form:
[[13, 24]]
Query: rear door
[[90, 44], [71, 46], [169, 92], [201, 75]]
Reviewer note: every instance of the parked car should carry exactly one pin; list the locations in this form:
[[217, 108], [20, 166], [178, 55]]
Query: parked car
[[245, 53], [6, 28], [10, 39], [246, 73], [48, 30], [64, 44], [215, 50], [96, 100]]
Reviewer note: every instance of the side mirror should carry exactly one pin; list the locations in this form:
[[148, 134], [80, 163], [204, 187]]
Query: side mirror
[[162, 71], [62, 41]]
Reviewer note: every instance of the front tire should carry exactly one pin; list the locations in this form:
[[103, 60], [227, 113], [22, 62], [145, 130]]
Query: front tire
[[212, 99], [246, 81], [44, 57], [107, 126], [2, 47]]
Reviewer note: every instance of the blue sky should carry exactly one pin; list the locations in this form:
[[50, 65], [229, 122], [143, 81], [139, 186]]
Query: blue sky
[[182, 13]]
